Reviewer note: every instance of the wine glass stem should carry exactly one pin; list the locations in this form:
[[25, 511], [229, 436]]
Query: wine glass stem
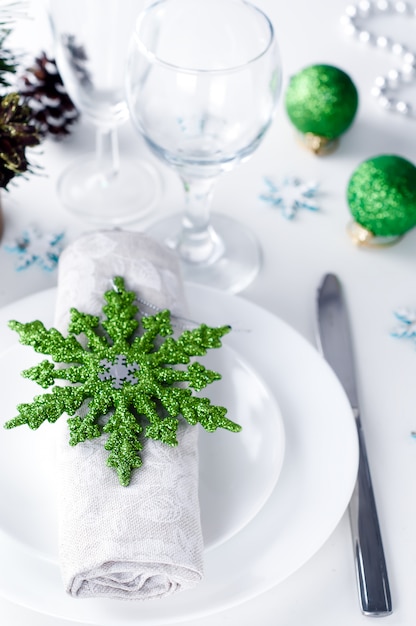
[[198, 242], [107, 154]]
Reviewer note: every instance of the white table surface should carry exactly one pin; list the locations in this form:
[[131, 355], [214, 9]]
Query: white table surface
[[296, 255]]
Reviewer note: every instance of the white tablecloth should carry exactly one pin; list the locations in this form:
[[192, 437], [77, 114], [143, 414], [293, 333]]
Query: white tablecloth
[[296, 255]]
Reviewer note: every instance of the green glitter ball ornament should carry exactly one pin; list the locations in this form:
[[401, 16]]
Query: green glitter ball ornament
[[321, 102], [381, 195]]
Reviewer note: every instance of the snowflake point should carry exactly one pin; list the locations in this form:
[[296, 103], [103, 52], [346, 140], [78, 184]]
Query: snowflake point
[[118, 283]]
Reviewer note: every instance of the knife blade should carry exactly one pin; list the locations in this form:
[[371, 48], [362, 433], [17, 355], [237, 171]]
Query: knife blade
[[335, 343]]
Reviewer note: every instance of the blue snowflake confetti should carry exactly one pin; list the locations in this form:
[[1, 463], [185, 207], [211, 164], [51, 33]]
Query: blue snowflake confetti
[[406, 329], [291, 195], [35, 247]]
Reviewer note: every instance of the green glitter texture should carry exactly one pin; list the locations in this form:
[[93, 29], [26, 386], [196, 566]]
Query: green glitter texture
[[141, 389], [322, 100], [381, 194]]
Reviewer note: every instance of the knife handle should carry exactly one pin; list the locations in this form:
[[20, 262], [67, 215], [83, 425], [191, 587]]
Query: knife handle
[[370, 563]]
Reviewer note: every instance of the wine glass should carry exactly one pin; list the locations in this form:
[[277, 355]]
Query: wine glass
[[91, 44], [203, 79]]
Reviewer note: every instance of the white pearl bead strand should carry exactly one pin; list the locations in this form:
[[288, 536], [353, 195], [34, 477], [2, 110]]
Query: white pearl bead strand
[[356, 14]]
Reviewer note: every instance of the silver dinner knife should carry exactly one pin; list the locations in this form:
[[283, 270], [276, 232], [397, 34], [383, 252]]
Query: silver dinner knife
[[335, 344]]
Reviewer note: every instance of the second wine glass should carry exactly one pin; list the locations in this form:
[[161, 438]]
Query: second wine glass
[[91, 43], [203, 81]]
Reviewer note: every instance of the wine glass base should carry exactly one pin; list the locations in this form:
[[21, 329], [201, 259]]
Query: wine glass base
[[233, 270], [126, 198]]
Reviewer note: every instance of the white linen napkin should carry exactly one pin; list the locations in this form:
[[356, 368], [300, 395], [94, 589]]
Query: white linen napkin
[[144, 540]]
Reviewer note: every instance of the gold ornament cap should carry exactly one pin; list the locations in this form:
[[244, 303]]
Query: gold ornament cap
[[318, 145], [364, 238]]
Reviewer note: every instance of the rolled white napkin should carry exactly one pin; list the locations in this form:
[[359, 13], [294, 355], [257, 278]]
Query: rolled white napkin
[[144, 540]]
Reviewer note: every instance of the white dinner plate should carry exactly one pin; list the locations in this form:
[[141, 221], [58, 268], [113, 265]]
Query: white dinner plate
[[294, 517]]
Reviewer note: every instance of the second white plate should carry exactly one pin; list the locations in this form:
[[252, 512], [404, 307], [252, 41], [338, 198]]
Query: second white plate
[[311, 495]]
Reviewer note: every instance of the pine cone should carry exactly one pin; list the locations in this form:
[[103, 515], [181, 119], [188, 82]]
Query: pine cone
[[43, 91], [17, 133], [78, 59]]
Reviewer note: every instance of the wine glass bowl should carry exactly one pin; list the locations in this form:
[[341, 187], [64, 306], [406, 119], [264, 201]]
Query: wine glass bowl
[[98, 92], [91, 44], [203, 80]]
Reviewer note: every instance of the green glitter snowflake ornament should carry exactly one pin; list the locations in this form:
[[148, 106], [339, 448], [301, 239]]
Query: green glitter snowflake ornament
[[133, 378]]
